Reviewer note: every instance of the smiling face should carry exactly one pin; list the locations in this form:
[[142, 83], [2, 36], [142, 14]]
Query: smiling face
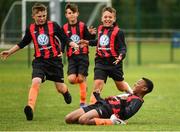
[[40, 17], [71, 16], [108, 16]]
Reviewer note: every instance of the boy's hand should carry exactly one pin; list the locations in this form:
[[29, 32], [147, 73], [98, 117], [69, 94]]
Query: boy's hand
[[60, 55], [4, 54], [74, 45], [118, 59], [83, 43], [116, 121], [92, 30]]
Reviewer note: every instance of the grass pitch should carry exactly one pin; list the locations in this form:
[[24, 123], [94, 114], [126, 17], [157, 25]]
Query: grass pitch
[[160, 111]]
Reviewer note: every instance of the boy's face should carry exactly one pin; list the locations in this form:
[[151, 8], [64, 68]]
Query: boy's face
[[108, 19], [139, 86], [40, 17], [71, 16]]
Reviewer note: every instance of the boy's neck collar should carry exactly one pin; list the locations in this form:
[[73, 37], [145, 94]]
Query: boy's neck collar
[[42, 24], [73, 23], [112, 26]]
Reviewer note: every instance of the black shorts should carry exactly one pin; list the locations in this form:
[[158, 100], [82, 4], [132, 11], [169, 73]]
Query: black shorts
[[48, 69], [103, 111], [78, 64], [103, 69]]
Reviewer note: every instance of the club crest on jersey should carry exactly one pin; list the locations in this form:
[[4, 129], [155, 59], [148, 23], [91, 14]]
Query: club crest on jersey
[[43, 39], [104, 40], [75, 38]]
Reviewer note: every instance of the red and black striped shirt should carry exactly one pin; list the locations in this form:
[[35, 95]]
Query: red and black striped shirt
[[75, 33], [110, 42], [47, 39], [124, 109]]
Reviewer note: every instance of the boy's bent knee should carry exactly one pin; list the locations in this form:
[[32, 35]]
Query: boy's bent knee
[[72, 80], [83, 120], [68, 119]]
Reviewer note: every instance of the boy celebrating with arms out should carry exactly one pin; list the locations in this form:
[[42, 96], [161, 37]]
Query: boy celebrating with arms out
[[110, 52], [47, 64], [78, 61]]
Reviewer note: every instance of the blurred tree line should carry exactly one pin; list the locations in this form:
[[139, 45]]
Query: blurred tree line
[[153, 14]]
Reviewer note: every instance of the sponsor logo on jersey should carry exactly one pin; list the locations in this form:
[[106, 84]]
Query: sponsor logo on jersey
[[104, 40], [75, 38], [43, 39]]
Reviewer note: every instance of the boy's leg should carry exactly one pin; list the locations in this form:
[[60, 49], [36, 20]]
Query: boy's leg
[[62, 88], [33, 93], [88, 118], [100, 77], [98, 86], [73, 79], [101, 121], [74, 116], [118, 77], [124, 86], [82, 70], [96, 115], [83, 89], [83, 93]]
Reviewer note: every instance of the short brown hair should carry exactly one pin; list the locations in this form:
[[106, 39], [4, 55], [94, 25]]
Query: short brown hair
[[72, 7], [38, 7], [109, 9]]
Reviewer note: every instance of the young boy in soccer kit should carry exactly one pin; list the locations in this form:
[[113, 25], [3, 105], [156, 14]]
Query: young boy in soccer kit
[[78, 61], [110, 52], [114, 109], [47, 64]]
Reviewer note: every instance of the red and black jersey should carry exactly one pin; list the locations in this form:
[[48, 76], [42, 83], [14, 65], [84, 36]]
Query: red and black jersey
[[110, 42], [47, 39], [75, 33], [124, 109]]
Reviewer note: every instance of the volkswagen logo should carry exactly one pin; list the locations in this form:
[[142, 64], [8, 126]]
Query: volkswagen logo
[[43, 39], [104, 40], [75, 38]]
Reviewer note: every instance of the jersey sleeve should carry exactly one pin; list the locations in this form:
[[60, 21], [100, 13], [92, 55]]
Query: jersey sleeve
[[62, 36], [93, 42], [130, 109], [26, 39], [121, 44]]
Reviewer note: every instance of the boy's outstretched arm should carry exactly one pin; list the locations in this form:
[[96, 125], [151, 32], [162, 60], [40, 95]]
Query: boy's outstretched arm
[[6, 53]]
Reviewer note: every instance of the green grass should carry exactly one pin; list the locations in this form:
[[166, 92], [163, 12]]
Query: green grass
[[160, 111]]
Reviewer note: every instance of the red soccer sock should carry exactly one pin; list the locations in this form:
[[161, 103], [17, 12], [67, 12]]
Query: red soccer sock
[[100, 121], [83, 87], [33, 93]]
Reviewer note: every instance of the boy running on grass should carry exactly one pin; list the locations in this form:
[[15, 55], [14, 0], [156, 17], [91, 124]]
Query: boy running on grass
[[78, 61], [47, 64], [110, 52]]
